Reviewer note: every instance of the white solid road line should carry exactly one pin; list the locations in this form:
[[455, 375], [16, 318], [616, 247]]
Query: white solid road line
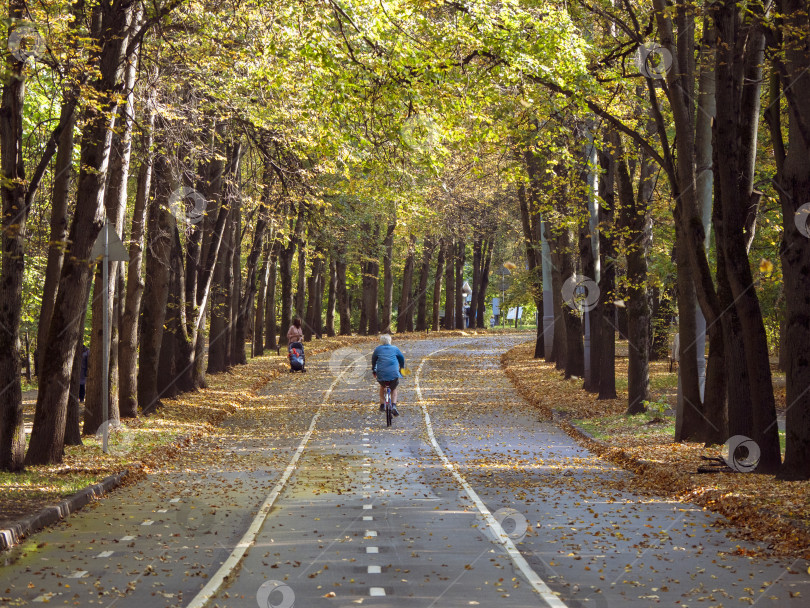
[[520, 562], [207, 592]]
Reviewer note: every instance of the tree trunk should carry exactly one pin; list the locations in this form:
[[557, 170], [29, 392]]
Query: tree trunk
[[388, 280], [476, 279], [343, 297], [638, 237], [300, 292], [437, 284], [559, 344], [15, 215], [58, 223], [168, 372], [115, 203], [285, 270], [271, 330], [461, 251], [738, 74], [484, 283], [236, 338], [689, 410], [593, 317], [793, 176], [405, 309], [128, 344], [261, 294], [330, 298], [73, 420], [47, 437], [73, 427], [422, 289], [371, 289], [219, 338], [372, 302], [606, 343], [313, 311], [574, 362], [252, 267], [156, 291], [450, 287]]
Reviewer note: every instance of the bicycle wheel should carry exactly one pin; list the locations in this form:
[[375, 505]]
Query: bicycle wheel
[[389, 416]]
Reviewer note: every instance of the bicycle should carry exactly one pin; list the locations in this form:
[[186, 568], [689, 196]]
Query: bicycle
[[389, 407]]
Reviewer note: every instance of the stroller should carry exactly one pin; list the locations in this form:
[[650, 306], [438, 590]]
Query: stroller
[[295, 353]]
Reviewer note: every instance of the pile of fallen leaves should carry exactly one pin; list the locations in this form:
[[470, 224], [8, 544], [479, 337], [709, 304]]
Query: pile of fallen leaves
[[772, 513]]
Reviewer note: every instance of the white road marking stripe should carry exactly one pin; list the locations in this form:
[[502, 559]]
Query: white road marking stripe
[[175, 500], [77, 574], [372, 549], [105, 554], [368, 518], [45, 597], [215, 582], [371, 533], [366, 507], [124, 539], [148, 522], [162, 510], [376, 592], [520, 562], [374, 570]]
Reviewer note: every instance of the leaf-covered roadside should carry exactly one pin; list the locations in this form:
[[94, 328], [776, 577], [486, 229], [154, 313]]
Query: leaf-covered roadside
[[774, 514]]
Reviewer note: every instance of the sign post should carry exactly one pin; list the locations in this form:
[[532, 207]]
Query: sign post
[[108, 246]]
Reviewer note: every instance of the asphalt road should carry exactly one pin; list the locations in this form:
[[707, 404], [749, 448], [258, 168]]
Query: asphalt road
[[306, 499]]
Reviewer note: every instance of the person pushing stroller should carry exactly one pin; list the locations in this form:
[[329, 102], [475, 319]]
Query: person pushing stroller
[[295, 346], [386, 362]]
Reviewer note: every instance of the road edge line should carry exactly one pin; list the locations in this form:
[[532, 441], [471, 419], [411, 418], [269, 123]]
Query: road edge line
[[537, 583]]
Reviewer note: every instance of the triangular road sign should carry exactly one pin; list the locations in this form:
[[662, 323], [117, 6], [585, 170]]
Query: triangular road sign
[[115, 248]]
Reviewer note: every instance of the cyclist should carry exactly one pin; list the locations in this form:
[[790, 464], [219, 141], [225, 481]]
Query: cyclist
[[386, 362]]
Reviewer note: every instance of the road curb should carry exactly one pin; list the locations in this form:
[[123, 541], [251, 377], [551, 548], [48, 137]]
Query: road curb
[[14, 534]]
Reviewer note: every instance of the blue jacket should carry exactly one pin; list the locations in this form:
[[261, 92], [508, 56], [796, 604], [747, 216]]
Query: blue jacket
[[387, 360]]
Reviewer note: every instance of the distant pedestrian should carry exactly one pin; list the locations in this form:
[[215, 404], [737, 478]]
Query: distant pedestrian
[[295, 333], [83, 371]]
